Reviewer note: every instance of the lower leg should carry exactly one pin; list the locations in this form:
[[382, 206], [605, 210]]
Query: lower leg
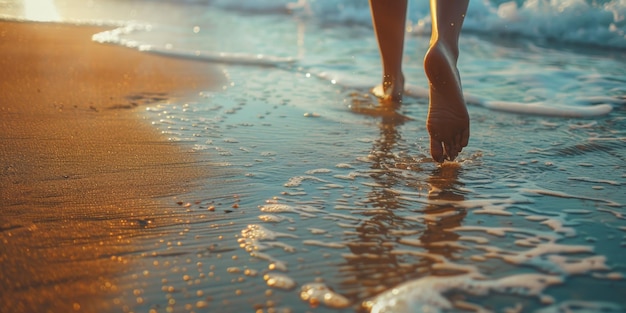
[[448, 121], [389, 19]]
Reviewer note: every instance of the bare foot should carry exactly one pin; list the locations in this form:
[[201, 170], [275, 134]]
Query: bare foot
[[391, 90], [448, 121]]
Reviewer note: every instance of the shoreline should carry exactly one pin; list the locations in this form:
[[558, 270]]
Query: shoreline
[[82, 176]]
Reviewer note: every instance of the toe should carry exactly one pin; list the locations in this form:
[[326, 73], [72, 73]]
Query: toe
[[458, 143], [436, 150], [452, 151], [465, 137]]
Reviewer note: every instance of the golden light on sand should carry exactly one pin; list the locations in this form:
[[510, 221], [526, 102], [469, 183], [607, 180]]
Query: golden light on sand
[[67, 254], [41, 10]]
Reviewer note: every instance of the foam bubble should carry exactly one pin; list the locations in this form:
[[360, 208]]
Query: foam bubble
[[578, 266], [549, 107], [259, 232], [343, 165], [318, 293], [555, 223], [317, 231], [280, 281], [427, 294], [334, 245], [318, 171], [297, 181], [271, 218], [285, 208]]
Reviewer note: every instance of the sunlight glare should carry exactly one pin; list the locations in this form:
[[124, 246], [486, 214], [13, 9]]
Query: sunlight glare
[[41, 10]]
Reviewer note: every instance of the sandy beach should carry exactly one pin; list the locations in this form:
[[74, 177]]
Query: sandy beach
[[82, 175]]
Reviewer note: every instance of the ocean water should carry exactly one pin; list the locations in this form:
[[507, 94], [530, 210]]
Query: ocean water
[[329, 207]]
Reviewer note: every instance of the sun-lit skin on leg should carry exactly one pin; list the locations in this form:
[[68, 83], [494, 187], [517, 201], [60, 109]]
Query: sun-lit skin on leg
[[448, 121], [389, 20]]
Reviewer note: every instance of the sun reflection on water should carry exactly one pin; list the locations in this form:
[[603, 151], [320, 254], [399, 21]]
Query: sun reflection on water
[[41, 10]]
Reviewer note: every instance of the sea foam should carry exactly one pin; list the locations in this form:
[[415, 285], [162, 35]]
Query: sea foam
[[598, 23]]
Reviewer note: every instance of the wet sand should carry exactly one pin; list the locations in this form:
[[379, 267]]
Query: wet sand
[[82, 177]]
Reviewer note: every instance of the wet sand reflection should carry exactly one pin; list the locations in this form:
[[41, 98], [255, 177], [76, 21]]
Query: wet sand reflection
[[376, 262]]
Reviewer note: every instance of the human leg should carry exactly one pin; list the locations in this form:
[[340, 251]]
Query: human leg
[[389, 19], [448, 120]]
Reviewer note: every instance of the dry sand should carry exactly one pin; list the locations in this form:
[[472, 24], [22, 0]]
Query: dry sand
[[81, 176]]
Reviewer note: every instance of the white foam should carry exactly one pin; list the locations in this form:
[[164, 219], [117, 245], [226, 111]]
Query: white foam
[[317, 231], [343, 165], [581, 266], [282, 245], [305, 211], [333, 245], [580, 107], [549, 107], [259, 232], [482, 206], [297, 181], [222, 57], [318, 293], [116, 36], [318, 171], [271, 218], [555, 223], [280, 281], [601, 24], [427, 294], [568, 21]]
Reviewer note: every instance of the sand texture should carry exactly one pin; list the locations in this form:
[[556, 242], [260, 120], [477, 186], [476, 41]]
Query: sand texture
[[81, 176]]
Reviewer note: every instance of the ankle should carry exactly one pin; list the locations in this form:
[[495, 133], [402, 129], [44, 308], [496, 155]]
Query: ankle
[[393, 81], [440, 65], [439, 50], [393, 86]]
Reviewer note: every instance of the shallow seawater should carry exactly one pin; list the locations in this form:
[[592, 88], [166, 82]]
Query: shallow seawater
[[329, 209], [355, 203], [330, 206], [530, 216]]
